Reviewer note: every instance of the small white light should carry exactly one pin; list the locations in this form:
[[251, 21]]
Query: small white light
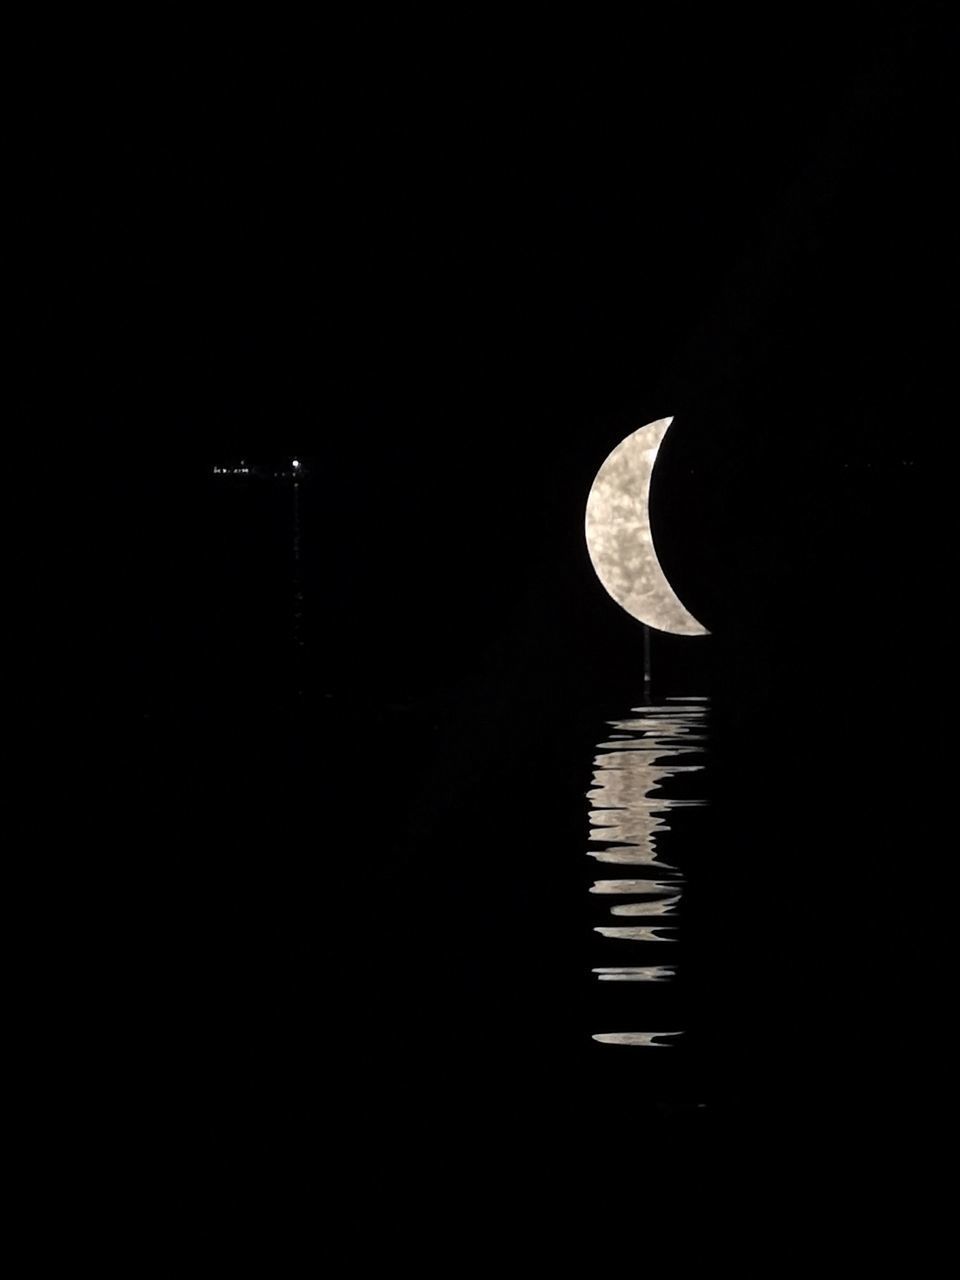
[[296, 464]]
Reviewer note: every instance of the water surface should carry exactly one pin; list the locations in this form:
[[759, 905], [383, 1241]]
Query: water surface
[[647, 767]]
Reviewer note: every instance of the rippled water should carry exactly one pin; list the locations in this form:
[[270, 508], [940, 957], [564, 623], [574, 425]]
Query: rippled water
[[645, 770], [650, 973], [642, 934], [647, 1038]]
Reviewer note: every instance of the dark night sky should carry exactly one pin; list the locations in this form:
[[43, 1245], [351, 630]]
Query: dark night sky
[[450, 260]]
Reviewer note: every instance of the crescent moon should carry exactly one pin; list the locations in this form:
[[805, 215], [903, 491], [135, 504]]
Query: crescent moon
[[620, 539]]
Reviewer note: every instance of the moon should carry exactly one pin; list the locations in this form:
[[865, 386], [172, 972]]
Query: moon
[[620, 539]]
